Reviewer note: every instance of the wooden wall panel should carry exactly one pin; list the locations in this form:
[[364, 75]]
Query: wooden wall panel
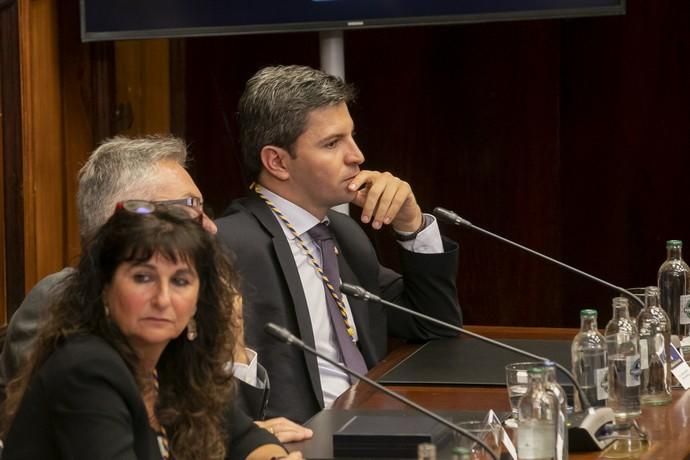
[[97, 80], [55, 98], [13, 216], [68, 91], [44, 161], [569, 136], [80, 109], [142, 80], [3, 265]]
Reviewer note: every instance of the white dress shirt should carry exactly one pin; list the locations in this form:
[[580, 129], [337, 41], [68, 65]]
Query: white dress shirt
[[248, 372], [333, 381]]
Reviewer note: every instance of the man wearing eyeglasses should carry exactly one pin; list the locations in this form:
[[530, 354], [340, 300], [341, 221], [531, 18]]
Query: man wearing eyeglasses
[[292, 251], [150, 169]]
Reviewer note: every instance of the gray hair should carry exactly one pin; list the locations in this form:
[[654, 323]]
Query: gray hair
[[121, 168], [276, 102]]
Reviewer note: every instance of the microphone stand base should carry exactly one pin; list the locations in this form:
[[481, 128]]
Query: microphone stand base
[[589, 431]]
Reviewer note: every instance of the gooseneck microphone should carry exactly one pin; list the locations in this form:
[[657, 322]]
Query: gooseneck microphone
[[583, 428], [452, 218], [286, 336], [361, 293]]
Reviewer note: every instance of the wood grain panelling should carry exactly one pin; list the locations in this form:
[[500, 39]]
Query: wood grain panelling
[[67, 94], [178, 95], [10, 107], [44, 161], [3, 265], [55, 96], [569, 136], [102, 90], [80, 108], [142, 72]]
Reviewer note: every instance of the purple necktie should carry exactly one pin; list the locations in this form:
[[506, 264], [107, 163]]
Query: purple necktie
[[341, 323]]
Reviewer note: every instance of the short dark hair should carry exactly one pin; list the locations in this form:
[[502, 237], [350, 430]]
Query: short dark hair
[[275, 104]]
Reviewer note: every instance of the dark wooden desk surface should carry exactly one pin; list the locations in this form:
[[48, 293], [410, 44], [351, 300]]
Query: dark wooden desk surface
[[668, 426]]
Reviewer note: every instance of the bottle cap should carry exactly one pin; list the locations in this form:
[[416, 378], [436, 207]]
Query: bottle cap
[[620, 301], [535, 371], [588, 313], [461, 453], [651, 290], [674, 244]]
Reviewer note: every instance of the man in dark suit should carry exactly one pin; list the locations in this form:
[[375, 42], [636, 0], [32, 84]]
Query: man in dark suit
[[298, 147]]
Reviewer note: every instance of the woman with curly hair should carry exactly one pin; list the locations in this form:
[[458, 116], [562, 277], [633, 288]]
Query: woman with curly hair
[[133, 361]]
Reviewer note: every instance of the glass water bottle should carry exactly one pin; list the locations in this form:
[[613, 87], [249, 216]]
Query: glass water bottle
[[624, 362], [538, 420], [654, 328], [551, 384], [674, 282], [589, 361]]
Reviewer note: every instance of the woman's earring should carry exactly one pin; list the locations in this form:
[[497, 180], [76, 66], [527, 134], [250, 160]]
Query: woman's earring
[[191, 330], [107, 310]]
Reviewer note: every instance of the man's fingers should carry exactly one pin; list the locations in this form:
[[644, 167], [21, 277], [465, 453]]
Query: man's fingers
[[385, 200], [291, 436], [374, 192], [285, 430], [361, 179], [380, 202], [390, 202]]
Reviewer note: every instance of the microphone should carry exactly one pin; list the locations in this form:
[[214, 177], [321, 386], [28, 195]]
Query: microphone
[[361, 293], [286, 336], [452, 218], [582, 428]]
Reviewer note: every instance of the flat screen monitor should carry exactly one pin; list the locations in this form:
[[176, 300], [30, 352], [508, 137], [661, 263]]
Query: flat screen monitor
[[136, 19]]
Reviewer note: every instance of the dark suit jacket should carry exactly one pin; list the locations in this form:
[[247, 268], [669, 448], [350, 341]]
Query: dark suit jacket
[[273, 292], [83, 403], [25, 323], [23, 329]]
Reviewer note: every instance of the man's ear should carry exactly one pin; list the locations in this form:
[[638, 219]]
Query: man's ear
[[274, 160]]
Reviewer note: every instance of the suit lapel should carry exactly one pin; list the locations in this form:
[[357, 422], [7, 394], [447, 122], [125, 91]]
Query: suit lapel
[[287, 264]]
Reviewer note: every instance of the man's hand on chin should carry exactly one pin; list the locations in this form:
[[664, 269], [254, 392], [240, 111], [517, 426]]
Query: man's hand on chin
[[386, 200]]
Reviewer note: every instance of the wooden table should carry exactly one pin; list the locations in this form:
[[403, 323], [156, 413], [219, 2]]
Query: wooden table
[[668, 426]]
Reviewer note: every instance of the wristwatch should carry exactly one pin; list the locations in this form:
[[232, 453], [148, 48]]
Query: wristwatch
[[411, 236]]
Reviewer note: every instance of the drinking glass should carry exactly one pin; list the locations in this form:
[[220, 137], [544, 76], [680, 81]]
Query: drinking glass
[[630, 441], [516, 382], [487, 432], [634, 304]]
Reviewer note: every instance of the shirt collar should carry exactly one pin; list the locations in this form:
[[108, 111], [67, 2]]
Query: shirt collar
[[301, 219]]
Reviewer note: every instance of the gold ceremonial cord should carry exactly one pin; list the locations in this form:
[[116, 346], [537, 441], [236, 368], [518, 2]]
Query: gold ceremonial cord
[[312, 260]]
